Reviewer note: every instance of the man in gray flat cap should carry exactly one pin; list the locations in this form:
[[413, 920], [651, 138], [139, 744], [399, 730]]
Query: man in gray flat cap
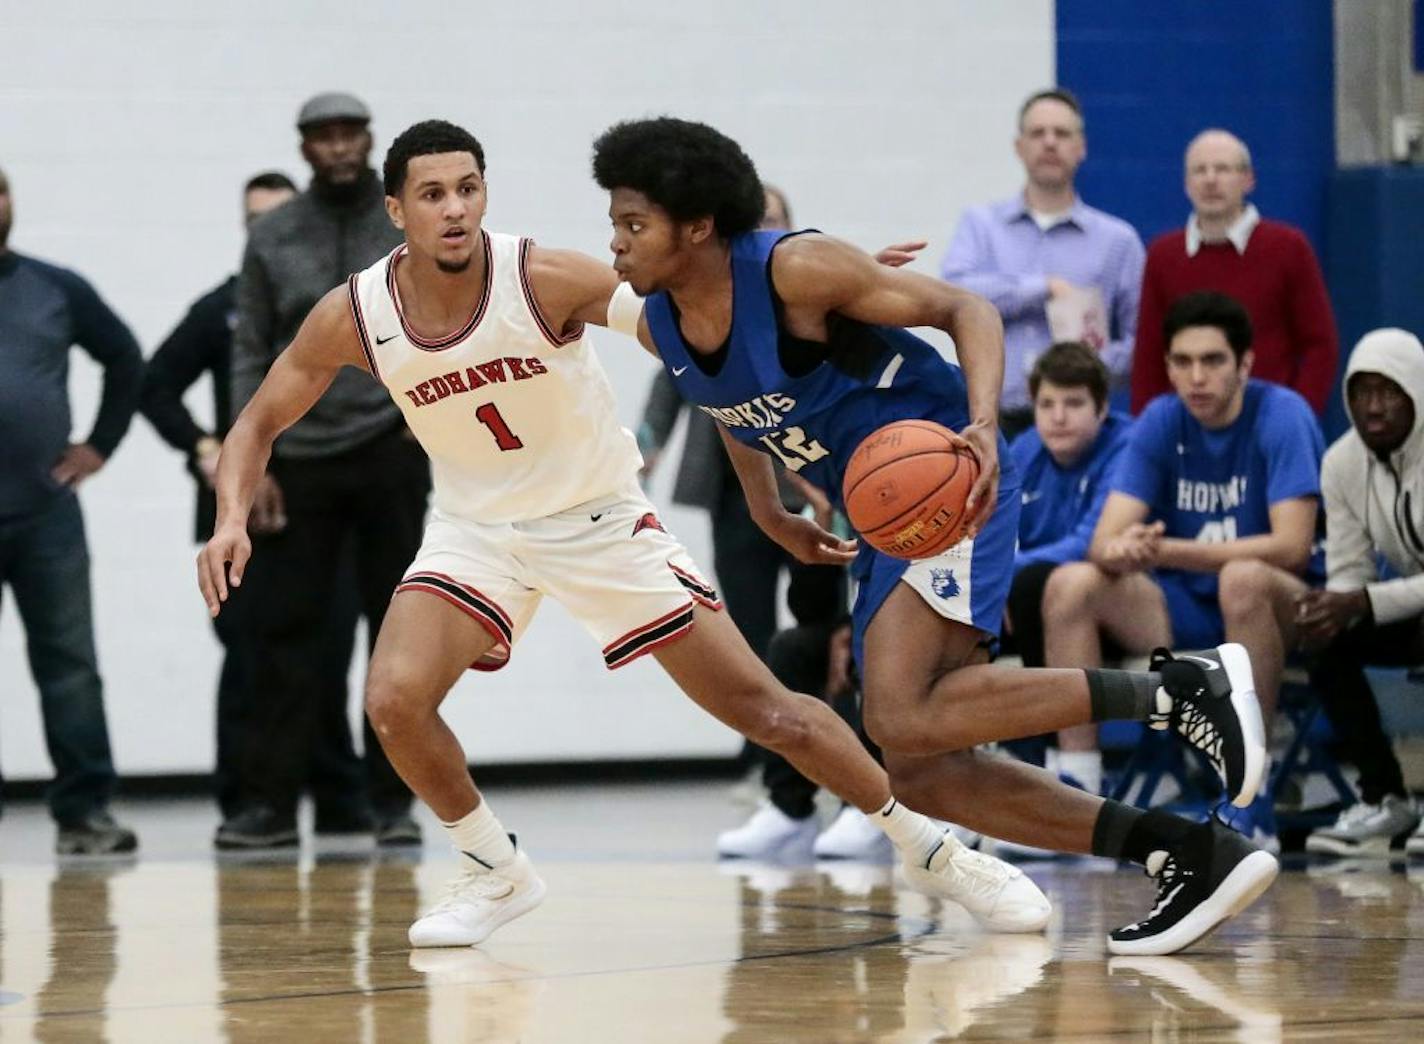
[[347, 476]]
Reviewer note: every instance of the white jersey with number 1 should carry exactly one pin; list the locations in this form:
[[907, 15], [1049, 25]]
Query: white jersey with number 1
[[518, 419]]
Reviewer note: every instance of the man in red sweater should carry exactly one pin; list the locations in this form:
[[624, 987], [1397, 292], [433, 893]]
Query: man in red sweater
[[1266, 265]]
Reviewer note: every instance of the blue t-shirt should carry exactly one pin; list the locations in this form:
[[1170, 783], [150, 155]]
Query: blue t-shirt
[[1219, 485], [1061, 505]]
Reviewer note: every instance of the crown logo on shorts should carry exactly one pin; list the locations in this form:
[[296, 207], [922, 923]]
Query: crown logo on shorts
[[944, 583]]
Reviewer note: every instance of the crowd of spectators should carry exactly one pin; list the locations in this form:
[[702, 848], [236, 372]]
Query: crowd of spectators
[[1212, 513]]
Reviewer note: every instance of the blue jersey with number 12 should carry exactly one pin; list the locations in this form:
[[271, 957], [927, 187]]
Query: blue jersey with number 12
[[806, 403]]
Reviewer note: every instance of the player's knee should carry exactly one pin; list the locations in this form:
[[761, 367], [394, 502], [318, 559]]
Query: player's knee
[[390, 704], [894, 729], [1070, 591], [1244, 586]]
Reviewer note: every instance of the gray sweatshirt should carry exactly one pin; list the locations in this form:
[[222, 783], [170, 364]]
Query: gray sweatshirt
[[294, 255], [1375, 506]]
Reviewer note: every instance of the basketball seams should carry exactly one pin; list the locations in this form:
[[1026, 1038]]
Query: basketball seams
[[893, 455]]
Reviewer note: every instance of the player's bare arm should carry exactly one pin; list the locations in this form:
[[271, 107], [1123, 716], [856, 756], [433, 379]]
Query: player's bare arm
[[802, 537], [326, 342], [573, 288], [816, 275], [1286, 546]]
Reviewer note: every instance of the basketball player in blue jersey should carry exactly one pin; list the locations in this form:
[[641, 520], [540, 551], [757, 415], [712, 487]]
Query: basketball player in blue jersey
[[795, 343], [479, 337]]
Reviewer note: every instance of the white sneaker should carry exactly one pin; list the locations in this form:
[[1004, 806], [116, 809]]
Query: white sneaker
[[770, 833], [852, 835], [477, 902], [999, 896]]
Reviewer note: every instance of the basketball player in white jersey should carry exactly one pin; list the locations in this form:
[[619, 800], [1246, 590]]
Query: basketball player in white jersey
[[480, 339]]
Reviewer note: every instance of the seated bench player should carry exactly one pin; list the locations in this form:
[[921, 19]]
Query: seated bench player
[[1209, 529]]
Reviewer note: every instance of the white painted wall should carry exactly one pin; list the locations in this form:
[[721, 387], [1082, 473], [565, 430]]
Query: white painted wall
[[127, 130]]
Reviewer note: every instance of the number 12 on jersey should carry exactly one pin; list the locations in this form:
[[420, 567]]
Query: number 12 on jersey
[[488, 415], [792, 449]]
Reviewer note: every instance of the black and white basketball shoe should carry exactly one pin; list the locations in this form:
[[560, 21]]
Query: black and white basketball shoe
[[1211, 874], [1209, 699]]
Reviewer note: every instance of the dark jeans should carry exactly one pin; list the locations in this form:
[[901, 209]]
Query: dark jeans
[[1338, 675], [799, 657], [44, 560], [1026, 611], [337, 779], [375, 496], [748, 564]]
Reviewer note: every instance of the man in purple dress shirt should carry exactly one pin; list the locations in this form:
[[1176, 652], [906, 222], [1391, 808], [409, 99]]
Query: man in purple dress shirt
[[1045, 244]]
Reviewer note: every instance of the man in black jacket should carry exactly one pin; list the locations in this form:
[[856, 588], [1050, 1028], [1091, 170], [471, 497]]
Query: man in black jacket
[[347, 472], [202, 344]]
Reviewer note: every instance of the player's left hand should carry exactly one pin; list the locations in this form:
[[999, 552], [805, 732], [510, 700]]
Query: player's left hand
[[75, 464], [983, 438], [809, 543]]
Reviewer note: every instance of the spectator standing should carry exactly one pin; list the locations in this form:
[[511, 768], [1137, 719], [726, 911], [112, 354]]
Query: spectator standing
[[1373, 481], [202, 344], [1055, 268], [1266, 265], [348, 470], [44, 555]]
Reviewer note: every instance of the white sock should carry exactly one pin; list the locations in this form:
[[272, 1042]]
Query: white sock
[[907, 830], [481, 837], [1086, 766]]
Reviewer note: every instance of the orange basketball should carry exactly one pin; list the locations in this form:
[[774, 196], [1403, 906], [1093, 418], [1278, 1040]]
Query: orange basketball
[[905, 487]]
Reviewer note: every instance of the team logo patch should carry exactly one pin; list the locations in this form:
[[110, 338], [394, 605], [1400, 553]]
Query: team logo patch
[[944, 583], [648, 521]]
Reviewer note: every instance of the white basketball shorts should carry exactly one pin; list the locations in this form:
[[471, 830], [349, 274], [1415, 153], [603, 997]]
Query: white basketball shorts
[[608, 561]]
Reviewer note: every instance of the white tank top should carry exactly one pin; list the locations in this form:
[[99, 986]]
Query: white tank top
[[518, 419]]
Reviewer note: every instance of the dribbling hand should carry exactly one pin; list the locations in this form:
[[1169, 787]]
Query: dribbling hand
[[809, 543], [221, 563], [983, 439]]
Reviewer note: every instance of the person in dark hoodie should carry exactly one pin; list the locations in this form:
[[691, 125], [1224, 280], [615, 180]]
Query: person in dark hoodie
[[1372, 479]]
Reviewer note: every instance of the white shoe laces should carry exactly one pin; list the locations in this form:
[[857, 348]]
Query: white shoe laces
[[982, 875], [473, 884]]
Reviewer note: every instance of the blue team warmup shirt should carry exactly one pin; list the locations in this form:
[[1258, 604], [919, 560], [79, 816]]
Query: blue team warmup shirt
[[1219, 485], [809, 404], [1060, 506]]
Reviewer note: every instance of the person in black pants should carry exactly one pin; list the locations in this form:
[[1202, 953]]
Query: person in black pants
[[347, 473], [202, 345], [1372, 480]]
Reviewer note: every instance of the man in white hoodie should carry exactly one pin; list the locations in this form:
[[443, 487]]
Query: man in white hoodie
[[1372, 479]]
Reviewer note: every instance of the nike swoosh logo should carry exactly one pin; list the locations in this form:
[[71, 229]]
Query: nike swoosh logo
[[1202, 661], [383, 340], [595, 518], [677, 371], [1030, 496]]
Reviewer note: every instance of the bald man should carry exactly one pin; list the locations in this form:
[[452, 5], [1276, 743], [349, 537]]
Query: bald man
[[1266, 265]]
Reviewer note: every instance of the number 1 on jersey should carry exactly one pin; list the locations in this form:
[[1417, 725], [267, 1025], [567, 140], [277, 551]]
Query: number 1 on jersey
[[488, 415]]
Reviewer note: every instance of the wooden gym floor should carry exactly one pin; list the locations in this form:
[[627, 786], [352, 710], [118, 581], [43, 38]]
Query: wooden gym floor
[[644, 937]]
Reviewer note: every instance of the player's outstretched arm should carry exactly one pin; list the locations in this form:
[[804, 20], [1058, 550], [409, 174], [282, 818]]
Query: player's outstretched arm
[[802, 537], [816, 274], [326, 342], [572, 288]]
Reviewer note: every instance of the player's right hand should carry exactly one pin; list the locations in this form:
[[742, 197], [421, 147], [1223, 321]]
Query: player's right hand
[[221, 563], [809, 543]]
